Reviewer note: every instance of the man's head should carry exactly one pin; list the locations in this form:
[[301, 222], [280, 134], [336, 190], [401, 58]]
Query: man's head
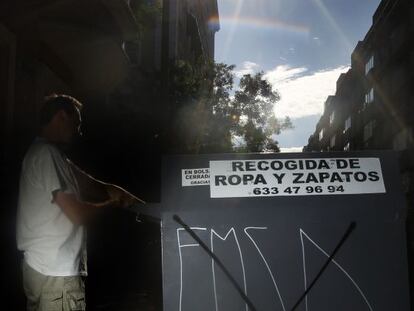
[[60, 118]]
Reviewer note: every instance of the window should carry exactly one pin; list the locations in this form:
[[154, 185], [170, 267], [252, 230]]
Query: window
[[332, 141], [369, 130], [332, 118], [398, 79], [403, 139], [321, 135], [348, 124], [347, 147], [329, 100], [132, 51], [369, 97], [369, 65]]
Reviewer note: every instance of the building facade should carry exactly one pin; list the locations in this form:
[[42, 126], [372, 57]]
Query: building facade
[[191, 29], [373, 107]]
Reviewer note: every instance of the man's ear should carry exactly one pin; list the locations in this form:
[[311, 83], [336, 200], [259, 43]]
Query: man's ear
[[61, 115], [58, 118]]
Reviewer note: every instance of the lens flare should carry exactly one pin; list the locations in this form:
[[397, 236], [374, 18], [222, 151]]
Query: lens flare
[[333, 24], [260, 24], [233, 28]]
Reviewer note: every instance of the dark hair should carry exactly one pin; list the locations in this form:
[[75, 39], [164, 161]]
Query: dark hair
[[56, 102]]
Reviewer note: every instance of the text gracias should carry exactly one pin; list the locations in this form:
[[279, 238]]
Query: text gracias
[[349, 172]]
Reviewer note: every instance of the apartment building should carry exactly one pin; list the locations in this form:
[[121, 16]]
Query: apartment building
[[373, 107], [192, 30]]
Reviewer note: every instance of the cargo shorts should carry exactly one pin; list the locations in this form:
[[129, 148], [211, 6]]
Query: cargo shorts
[[52, 293]]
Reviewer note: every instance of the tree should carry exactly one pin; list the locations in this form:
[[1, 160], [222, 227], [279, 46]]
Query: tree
[[257, 124], [213, 117], [145, 13]]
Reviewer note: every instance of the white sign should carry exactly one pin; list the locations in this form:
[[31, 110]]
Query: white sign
[[195, 177], [293, 177]]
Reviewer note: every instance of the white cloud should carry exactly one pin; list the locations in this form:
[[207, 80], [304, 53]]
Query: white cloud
[[284, 73], [247, 68], [291, 149], [302, 93]]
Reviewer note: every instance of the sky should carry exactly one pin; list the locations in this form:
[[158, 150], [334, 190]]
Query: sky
[[302, 46]]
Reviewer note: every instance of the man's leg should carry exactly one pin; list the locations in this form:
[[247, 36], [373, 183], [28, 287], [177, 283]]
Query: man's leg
[[43, 293], [32, 285], [52, 293], [73, 294]]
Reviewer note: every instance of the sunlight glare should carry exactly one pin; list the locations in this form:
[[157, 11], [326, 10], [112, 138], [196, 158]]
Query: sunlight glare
[[325, 12], [233, 28]]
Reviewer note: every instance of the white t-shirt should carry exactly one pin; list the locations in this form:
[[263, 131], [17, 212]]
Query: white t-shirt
[[51, 243]]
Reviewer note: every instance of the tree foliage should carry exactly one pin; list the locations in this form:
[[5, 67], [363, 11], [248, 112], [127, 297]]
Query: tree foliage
[[212, 116], [145, 13]]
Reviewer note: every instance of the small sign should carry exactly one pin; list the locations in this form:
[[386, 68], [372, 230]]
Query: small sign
[[195, 177], [295, 177]]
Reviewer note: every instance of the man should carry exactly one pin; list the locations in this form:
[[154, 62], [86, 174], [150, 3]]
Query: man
[[53, 209]]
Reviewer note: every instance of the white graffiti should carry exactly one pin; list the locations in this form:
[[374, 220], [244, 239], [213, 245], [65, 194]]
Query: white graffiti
[[303, 234]]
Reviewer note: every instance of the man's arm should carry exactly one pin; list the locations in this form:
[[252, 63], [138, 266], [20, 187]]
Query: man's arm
[[77, 211], [95, 191], [94, 194]]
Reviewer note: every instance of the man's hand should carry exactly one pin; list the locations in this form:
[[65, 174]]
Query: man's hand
[[122, 197]]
